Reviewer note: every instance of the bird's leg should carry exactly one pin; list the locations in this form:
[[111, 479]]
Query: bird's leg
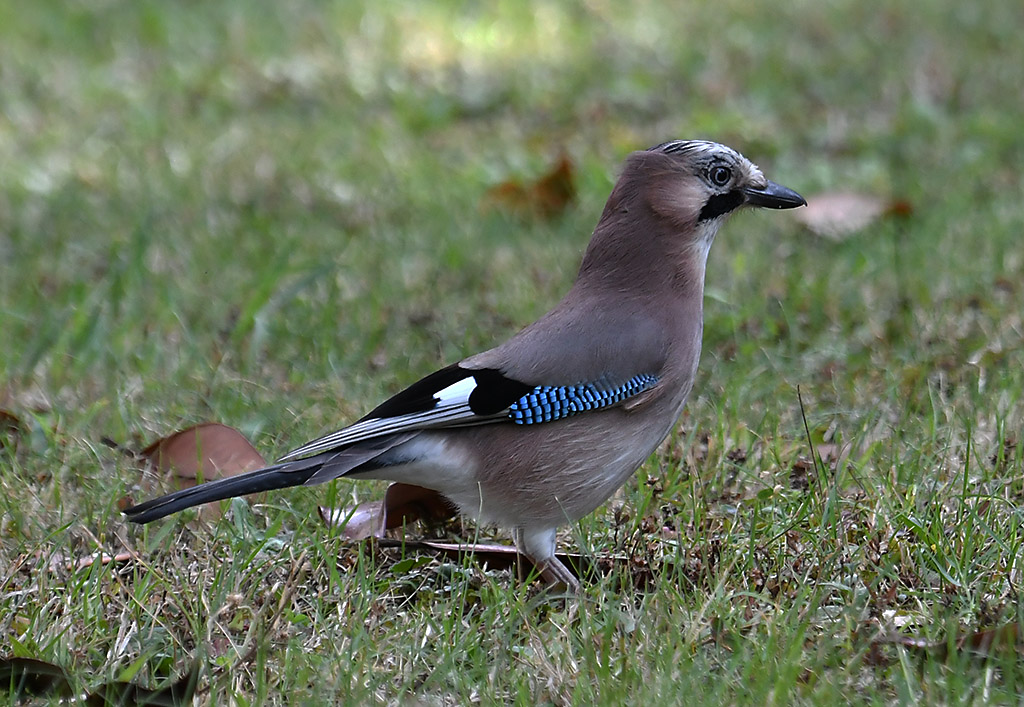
[[538, 546], [556, 574]]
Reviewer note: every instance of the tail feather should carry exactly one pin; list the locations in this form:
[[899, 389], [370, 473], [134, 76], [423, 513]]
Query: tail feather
[[279, 476], [315, 470]]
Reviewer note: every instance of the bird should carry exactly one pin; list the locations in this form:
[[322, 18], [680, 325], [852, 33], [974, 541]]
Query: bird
[[542, 429]]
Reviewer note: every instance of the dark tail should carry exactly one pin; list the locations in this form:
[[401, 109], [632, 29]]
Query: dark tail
[[279, 476], [318, 469]]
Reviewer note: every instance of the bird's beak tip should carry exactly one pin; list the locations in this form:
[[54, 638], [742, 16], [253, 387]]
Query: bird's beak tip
[[774, 196]]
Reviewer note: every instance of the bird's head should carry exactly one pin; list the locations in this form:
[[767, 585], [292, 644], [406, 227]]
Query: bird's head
[[670, 201], [697, 184]]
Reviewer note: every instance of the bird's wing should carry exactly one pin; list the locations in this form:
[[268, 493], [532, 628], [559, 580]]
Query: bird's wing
[[459, 397]]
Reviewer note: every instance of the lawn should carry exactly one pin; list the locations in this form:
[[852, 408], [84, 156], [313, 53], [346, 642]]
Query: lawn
[[274, 215]]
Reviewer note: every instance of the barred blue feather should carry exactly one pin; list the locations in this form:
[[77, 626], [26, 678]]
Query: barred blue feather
[[553, 402]]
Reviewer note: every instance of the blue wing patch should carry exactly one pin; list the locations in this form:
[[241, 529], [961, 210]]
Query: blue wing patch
[[553, 402], [457, 397]]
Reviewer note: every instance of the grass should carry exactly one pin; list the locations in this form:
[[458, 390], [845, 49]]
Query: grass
[[269, 215]]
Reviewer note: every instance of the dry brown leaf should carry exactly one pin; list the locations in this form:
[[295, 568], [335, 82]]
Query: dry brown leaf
[[32, 398], [993, 640], [26, 677], [638, 575], [987, 643], [500, 557], [101, 557], [832, 454], [201, 453], [545, 198], [365, 520], [11, 428], [837, 215], [403, 503], [61, 562], [798, 477]]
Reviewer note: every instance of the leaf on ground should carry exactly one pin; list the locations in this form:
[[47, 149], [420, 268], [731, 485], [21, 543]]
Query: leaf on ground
[[839, 214], [11, 428], [31, 677], [833, 455], [992, 641], [28, 676], [545, 198], [506, 557], [176, 693], [201, 453], [403, 503], [499, 557], [32, 398], [102, 557], [365, 520], [799, 479], [987, 643]]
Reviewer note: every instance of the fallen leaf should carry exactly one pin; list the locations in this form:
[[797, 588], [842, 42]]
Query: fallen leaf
[[403, 503], [201, 453], [987, 643], [833, 455], [59, 561], [900, 208], [500, 557], [102, 557], [798, 477], [11, 428], [993, 640], [545, 198], [505, 557], [837, 215], [365, 520], [28, 676], [176, 693]]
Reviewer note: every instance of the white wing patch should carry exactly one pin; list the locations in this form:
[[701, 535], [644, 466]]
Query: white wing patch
[[450, 410], [457, 393]]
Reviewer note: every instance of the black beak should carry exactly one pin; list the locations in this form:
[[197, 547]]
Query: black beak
[[773, 196]]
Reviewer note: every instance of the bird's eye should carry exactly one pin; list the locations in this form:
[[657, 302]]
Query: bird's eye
[[720, 175]]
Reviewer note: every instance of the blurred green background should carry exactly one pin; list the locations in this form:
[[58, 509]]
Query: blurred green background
[[274, 214]]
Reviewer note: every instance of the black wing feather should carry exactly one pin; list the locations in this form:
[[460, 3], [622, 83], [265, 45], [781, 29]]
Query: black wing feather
[[493, 393]]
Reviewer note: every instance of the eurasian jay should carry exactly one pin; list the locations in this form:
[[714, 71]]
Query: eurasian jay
[[542, 429]]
